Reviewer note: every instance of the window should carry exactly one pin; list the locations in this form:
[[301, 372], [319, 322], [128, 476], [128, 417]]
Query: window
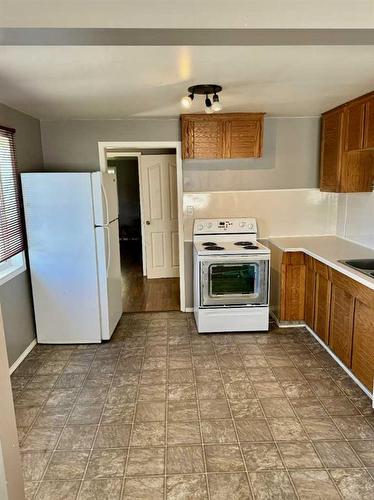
[[11, 235]]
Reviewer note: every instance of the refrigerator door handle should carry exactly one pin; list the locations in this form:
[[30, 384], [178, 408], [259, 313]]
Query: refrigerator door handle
[[107, 233], [105, 221]]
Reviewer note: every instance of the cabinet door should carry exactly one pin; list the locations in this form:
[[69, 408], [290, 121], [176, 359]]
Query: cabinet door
[[243, 138], [331, 150], [322, 302], [369, 124], [202, 138], [354, 126], [310, 290], [341, 324], [292, 287], [363, 344]]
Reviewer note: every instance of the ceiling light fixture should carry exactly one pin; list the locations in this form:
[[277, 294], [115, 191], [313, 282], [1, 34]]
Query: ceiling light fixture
[[204, 89]]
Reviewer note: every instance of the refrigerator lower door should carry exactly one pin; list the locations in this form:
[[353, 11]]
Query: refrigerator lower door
[[105, 198], [109, 275]]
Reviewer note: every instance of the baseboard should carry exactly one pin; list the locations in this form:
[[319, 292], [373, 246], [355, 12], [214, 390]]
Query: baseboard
[[284, 324], [340, 363], [19, 360], [188, 309]]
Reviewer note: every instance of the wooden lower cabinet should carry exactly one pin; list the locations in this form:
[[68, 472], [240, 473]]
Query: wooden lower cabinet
[[341, 324], [292, 286], [338, 309], [363, 344], [322, 302], [310, 291]]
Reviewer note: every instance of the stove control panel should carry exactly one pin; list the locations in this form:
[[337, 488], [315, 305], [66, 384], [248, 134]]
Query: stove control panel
[[229, 226]]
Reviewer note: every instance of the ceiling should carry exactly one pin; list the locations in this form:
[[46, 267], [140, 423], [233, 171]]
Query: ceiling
[[191, 14], [132, 82]]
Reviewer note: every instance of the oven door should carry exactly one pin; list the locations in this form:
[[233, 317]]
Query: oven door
[[234, 281]]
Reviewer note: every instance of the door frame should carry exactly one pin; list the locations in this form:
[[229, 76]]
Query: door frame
[[126, 154], [108, 146]]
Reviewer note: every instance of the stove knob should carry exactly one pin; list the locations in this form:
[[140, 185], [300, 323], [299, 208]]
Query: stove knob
[[242, 224], [209, 225], [200, 227], [250, 226]]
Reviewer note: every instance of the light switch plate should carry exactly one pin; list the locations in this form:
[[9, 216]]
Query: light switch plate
[[189, 210]]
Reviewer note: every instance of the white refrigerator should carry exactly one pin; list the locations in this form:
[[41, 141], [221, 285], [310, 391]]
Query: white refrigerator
[[73, 246]]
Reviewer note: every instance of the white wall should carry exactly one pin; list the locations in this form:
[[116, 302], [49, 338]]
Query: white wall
[[356, 218]]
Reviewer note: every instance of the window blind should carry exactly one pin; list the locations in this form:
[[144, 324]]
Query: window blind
[[11, 233]]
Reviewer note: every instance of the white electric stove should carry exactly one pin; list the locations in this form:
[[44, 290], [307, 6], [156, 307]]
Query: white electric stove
[[231, 276]]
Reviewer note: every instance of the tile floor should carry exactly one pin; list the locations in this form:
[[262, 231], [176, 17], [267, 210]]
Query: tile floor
[[162, 412]]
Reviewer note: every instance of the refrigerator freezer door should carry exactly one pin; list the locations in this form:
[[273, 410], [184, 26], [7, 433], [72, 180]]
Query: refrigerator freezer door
[[110, 283], [62, 252], [105, 198]]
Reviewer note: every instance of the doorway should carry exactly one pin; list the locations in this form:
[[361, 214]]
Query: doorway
[[148, 221]]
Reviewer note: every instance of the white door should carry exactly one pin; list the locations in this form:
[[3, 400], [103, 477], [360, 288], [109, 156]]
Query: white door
[[109, 273], [105, 198], [160, 213]]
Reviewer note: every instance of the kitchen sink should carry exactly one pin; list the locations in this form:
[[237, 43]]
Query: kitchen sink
[[365, 266]]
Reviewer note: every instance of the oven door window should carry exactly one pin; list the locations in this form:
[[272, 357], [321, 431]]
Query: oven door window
[[232, 279], [234, 283]]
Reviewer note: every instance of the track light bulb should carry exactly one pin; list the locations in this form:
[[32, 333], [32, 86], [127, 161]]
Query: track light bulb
[[186, 101], [216, 106]]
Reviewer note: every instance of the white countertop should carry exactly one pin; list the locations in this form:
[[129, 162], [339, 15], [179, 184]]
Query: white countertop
[[329, 250]]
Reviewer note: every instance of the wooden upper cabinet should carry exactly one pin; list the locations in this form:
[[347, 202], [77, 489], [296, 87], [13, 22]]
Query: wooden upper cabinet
[[369, 124], [331, 150], [230, 135], [354, 126], [347, 147]]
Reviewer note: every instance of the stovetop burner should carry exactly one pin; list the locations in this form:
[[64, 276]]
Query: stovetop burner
[[243, 243], [208, 244], [214, 247], [250, 247]]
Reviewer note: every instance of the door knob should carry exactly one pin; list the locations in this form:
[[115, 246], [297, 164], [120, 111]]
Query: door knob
[[148, 222]]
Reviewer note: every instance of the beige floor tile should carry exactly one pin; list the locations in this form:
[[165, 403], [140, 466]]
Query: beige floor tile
[[67, 465], [115, 414], [339, 405], [144, 488], [77, 437], [25, 415], [239, 390], [58, 490], [181, 392], [34, 464], [297, 389], [101, 489], [192, 486], [210, 390], [268, 390], [113, 436], [223, 458], [299, 455], [354, 427], [30, 489], [85, 414], [354, 483], [313, 484], [183, 433], [246, 408], [252, 429], [150, 411], [233, 486], [151, 377], [365, 450], [218, 431], [185, 459], [261, 374], [182, 411], [148, 434], [215, 408], [308, 408], [321, 429], [268, 485], [145, 461], [41, 439], [106, 463], [261, 456], [277, 407], [287, 429]]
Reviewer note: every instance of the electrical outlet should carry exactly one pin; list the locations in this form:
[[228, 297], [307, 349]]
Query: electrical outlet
[[189, 210]]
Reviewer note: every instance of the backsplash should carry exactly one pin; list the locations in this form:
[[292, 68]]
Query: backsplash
[[356, 218], [283, 212]]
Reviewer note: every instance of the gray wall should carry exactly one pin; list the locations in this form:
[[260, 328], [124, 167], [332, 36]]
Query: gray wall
[[72, 145], [290, 160], [15, 295]]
